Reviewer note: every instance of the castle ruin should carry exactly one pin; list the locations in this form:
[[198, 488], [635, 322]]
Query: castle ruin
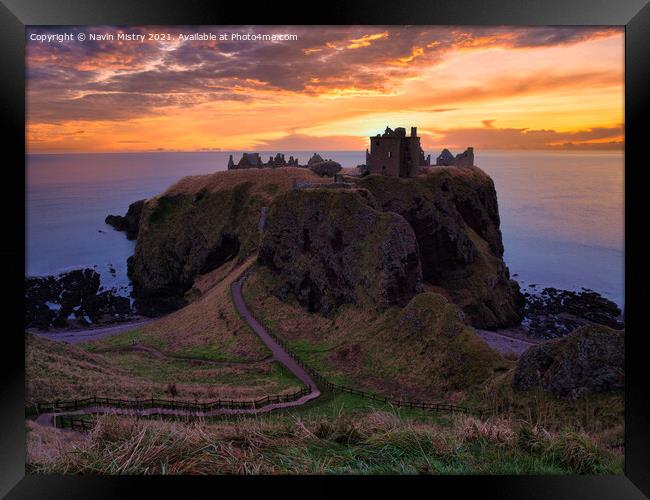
[[396, 155], [464, 159], [254, 160]]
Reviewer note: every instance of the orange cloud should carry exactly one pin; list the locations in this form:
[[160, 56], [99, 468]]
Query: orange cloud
[[366, 40], [337, 84]]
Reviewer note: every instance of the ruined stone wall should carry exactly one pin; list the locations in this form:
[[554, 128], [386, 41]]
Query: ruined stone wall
[[384, 156]]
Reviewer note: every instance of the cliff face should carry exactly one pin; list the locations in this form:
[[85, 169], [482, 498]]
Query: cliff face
[[130, 223], [197, 225], [329, 247], [370, 244], [455, 217]]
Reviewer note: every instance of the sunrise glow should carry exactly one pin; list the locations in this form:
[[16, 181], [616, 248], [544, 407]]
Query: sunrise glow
[[490, 87]]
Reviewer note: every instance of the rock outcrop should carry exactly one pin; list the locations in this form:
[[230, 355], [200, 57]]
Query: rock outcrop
[[130, 223], [454, 215], [71, 298], [554, 313], [329, 247], [588, 360], [461, 358]]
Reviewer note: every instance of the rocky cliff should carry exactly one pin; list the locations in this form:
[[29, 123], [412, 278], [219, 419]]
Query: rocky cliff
[[455, 218], [130, 222], [197, 225], [329, 247], [373, 243]]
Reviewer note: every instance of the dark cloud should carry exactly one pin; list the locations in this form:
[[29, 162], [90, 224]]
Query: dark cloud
[[109, 80]]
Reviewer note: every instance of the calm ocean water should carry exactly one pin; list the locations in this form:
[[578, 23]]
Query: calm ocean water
[[561, 213]]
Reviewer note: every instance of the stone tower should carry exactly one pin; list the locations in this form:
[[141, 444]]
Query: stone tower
[[395, 154]]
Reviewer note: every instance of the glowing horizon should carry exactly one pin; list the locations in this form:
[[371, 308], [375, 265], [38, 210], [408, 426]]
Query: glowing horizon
[[332, 88]]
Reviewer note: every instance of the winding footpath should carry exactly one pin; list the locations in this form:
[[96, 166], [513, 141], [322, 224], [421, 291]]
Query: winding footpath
[[278, 354]]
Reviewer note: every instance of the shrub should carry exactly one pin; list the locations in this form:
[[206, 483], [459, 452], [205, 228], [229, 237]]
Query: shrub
[[533, 440], [578, 452]]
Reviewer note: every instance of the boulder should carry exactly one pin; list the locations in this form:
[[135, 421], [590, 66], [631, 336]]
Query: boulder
[[329, 247], [130, 223], [588, 360]]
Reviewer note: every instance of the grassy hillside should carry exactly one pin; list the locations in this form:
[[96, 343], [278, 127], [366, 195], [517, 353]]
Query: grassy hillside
[[61, 371], [208, 328], [423, 351], [56, 370], [362, 442]]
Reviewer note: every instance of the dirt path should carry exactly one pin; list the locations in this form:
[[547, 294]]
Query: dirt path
[[278, 354], [510, 341], [87, 335]]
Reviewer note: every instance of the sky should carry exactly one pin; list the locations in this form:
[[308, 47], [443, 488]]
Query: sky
[[324, 88]]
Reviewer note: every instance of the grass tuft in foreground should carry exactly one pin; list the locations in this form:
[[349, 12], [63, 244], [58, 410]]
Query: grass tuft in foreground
[[374, 442]]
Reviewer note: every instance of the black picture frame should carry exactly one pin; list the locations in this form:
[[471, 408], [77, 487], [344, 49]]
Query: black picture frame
[[16, 14]]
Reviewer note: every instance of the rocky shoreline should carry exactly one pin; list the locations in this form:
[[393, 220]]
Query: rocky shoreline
[[71, 300], [553, 313]]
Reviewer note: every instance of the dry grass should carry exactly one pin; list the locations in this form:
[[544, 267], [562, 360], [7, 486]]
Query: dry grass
[[596, 414], [47, 445], [55, 370], [208, 328], [368, 443], [282, 177]]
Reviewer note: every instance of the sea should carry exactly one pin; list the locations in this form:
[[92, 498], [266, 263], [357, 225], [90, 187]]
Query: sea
[[562, 213]]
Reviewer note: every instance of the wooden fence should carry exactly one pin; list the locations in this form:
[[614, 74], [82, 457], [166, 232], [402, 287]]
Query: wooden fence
[[168, 404], [73, 422]]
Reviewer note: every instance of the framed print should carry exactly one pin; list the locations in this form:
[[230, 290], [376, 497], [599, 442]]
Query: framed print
[[393, 240]]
